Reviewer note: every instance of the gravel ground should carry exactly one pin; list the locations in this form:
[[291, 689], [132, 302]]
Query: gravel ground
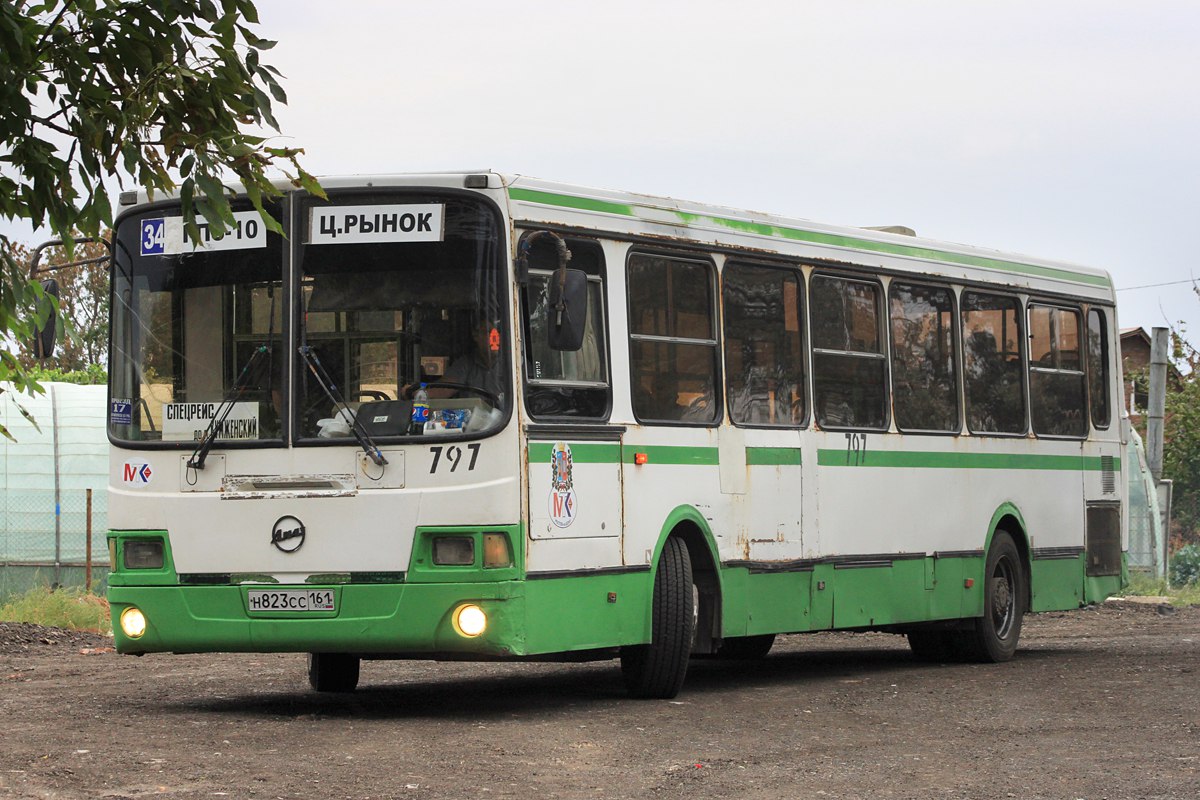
[[1099, 703]]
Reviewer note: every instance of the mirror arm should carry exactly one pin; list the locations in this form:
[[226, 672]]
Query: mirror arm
[[560, 247], [564, 256], [37, 256]]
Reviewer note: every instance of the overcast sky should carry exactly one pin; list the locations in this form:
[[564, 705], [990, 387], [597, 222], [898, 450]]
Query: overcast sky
[[1067, 130]]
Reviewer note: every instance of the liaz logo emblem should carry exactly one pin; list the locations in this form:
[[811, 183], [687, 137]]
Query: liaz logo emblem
[[136, 474], [288, 534]]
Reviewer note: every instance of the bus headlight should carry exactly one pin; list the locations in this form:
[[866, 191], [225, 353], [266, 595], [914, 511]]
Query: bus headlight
[[133, 622], [143, 554], [469, 620], [457, 551]]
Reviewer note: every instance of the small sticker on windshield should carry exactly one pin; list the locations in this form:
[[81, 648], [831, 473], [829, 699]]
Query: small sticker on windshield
[[120, 412]]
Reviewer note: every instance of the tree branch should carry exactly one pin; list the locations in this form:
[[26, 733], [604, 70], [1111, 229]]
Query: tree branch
[[44, 41]]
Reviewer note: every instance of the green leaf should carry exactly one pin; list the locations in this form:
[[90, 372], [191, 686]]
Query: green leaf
[[311, 185], [159, 90]]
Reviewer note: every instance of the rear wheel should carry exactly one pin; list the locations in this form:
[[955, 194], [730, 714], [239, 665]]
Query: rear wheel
[[333, 672], [746, 648], [995, 634], [657, 669]]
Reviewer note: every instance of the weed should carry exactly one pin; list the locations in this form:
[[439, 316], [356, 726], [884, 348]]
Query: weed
[[62, 608]]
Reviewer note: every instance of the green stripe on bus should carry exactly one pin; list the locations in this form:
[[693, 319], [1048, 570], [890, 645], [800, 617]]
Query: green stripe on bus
[[581, 452], [815, 237], [928, 253], [570, 201], [585, 453], [943, 460], [672, 454], [772, 456]]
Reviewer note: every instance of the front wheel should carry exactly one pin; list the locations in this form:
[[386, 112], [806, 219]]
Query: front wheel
[[333, 672], [657, 669], [1005, 590]]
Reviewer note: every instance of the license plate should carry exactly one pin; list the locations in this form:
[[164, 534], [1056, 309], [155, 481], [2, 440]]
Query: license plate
[[291, 600]]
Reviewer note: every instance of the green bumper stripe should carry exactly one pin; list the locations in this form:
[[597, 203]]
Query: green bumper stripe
[[935, 460], [815, 237], [772, 456]]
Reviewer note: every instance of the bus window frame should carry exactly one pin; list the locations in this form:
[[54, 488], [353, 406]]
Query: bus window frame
[[1023, 358], [294, 271], [883, 318], [957, 356], [1030, 367], [805, 354], [283, 206], [704, 259], [605, 333], [1106, 359]]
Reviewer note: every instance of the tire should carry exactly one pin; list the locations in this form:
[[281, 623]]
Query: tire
[[333, 672], [1005, 589], [746, 648], [657, 669]]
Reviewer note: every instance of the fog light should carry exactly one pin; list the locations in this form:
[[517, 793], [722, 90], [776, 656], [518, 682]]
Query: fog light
[[143, 554], [495, 550], [469, 620], [133, 622], [454, 551]]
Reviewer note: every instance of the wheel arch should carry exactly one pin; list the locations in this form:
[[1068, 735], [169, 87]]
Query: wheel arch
[[1008, 518], [689, 525]]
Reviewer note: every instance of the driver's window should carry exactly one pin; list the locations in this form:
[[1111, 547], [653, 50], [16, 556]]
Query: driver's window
[[560, 383]]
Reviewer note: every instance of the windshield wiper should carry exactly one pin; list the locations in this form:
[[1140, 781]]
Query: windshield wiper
[[339, 405], [223, 410]]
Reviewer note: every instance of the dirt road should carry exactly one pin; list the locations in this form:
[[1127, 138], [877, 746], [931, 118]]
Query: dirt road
[[1099, 703]]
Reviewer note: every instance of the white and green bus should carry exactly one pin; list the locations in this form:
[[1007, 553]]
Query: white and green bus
[[480, 416]]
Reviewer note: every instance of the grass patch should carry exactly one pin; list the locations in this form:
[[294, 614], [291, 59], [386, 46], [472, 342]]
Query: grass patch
[[1148, 586], [73, 609]]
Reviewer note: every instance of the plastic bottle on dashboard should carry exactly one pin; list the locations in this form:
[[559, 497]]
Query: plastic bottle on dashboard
[[420, 412]]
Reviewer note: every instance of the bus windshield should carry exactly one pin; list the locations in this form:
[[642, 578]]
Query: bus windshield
[[390, 291]]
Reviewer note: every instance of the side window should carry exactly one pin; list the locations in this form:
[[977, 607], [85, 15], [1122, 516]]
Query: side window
[[673, 348], [764, 351], [849, 380], [1097, 367], [924, 364], [1056, 380], [992, 373], [558, 383]]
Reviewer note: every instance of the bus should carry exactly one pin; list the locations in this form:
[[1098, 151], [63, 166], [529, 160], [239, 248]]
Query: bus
[[482, 416]]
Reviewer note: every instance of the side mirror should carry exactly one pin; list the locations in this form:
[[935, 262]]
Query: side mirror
[[567, 309], [45, 337]]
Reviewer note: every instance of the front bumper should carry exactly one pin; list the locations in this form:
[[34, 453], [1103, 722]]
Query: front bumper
[[393, 619]]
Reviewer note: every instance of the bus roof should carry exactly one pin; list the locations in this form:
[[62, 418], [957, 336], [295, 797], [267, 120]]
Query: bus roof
[[638, 215], [670, 221]]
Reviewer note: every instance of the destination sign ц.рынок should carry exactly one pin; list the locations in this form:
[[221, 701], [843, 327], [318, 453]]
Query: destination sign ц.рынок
[[377, 224]]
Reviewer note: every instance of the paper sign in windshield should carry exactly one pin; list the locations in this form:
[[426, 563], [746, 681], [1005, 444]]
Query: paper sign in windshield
[[377, 224], [164, 236], [187, 422]]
